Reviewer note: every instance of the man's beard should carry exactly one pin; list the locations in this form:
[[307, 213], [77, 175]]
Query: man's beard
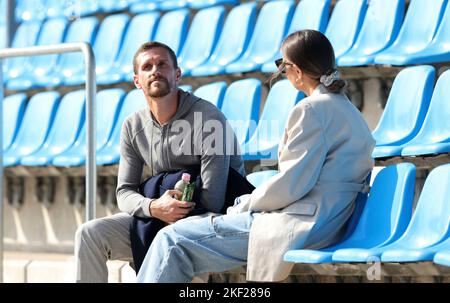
[[162, 90]]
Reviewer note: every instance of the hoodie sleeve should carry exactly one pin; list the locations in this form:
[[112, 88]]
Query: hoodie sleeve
[[129, 177]]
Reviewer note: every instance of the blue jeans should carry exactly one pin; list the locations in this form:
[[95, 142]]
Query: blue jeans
[[188, 248]]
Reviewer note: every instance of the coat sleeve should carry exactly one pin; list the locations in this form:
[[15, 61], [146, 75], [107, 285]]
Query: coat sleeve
[[301, 158]]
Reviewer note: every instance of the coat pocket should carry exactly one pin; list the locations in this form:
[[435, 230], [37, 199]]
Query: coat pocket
[[302, 209]]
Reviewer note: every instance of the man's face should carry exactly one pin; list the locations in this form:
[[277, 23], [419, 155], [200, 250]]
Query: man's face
[[156, 75]]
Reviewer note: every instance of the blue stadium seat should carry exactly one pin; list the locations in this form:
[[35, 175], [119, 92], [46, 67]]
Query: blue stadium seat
[[27, 10], [233, 40], [64, 130], [418, 29], [141, 29], [199, 4], [144, 6], [55, 8], [26, 35], [202, 38], [13, 109], [380, 28], [344, 25], [106, 48], [110, 6], [434, 136], [241, 107], [429, 224], [405, 110], [36, 122], [2, 35], [383, 220], [110, 153], [212, 92], [3, 12], [168, 5], [263, 144], [109, 102], [82, 30], [439, 49], [186, 87], [172, 29], [270, 29], [309, 14], [258, 178], [52, 32], [442, 257]]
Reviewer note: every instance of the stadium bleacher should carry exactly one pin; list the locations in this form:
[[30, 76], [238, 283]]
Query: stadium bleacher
[[226, 50]]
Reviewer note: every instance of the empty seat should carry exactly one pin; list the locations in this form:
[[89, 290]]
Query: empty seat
[[442, 257], [26, 10], [258, 178], [241, 107], [172, 29], [202, 38], [199, 4], [26, 35], [345, 24], [110, 153], [81, 30], [108, 104], [67, 124], [270, 29], [418, 29], [405, 110], [33, 131], [52, 32], [263, 144], [212, 92], [2, 35], [439, 48], [13, 109], [380, 28], [233, 40], [106, 48], [309, 14], [151, 5], [385, 216], [434, 136], [109, 6], [429, 224], [141, 29]]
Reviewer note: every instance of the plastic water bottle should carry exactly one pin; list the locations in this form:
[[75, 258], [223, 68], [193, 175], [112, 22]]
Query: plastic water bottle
[[183, 182]]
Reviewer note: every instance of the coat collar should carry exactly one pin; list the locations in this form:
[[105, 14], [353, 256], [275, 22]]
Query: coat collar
[[320, 89]]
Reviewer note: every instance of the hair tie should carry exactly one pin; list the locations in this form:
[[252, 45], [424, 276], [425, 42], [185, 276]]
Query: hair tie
[[327, 80]]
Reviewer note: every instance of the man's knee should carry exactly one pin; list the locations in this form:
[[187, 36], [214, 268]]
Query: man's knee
[[87, 231]]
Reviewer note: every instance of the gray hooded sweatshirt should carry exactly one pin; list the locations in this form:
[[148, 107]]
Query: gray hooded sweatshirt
[[197, 134]]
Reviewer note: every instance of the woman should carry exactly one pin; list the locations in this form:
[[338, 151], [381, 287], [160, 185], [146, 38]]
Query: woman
[[324, 158]]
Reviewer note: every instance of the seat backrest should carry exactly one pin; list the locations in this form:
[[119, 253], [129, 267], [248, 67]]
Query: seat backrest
[[420, 24], [381, 25], [202, 37], [172, 29], [2, 35], [388, 208], [431, 219], [141, 29], [81, 30], [310, 14], [236, 34], [442, 36], [13, 109], [26, 35], [109, 39], [212, 92], [133, 102], [406, 106], [30, 10], [345, 23], [434, 128], [52, 32], [241, 107], [281, 99], [68, 121], [270, 29], [38, 117]]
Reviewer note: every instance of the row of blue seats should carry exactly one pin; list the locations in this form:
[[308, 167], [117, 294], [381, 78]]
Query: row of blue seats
[[244, 43], [384, 225], [26, 10], [415, 120], [48, 131]]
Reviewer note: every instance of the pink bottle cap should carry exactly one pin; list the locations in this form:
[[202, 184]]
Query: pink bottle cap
[[186, 177]]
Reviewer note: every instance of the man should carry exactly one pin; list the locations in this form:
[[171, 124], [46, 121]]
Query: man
[[169, 135]]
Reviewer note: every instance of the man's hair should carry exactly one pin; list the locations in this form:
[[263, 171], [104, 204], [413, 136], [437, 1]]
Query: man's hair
[[153, 44]]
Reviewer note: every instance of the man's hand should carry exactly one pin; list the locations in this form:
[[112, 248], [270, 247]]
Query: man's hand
[[168, 209]]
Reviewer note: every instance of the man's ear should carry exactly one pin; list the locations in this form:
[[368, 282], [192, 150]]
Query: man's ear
[[178, 74], [136, 81]]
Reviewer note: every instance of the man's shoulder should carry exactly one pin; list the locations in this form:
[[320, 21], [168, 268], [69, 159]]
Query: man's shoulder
[[208, 109], [137, 120]]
